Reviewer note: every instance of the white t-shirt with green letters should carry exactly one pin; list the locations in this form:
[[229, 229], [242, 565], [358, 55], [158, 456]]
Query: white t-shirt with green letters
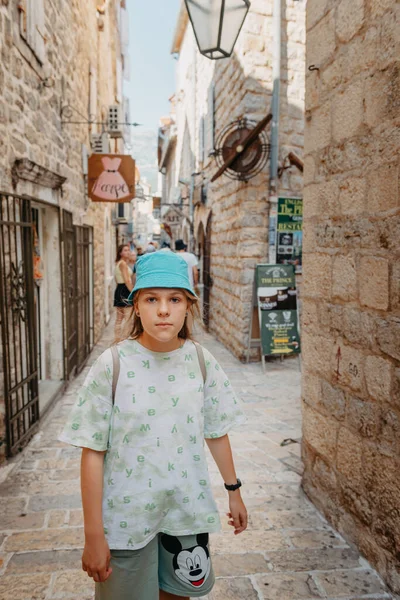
[[155, 470]]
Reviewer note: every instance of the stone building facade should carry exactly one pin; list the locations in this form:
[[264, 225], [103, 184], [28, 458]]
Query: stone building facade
[[231, 218], [61, 66], [351, 291]]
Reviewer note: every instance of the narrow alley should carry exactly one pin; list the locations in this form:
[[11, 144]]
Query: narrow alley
[[288, 552]]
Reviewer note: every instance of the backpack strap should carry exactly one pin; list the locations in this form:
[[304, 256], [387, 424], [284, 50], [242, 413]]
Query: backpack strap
[[202, 362], [115, 357]]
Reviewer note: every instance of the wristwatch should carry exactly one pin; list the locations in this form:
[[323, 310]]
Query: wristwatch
[[233, 487]]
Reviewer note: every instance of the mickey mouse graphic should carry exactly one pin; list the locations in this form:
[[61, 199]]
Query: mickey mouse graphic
[[191, 565]]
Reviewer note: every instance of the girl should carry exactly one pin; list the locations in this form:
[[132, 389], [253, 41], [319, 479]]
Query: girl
[[146, 493], [123, 278]]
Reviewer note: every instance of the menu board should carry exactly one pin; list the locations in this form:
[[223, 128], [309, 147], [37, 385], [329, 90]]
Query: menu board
[[277, 309], [289, 232]]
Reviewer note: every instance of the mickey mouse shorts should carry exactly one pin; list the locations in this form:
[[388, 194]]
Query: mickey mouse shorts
[[178, 565]]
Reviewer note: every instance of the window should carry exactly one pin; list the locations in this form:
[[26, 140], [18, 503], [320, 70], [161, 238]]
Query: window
[[31, 26], [211, 120], [121, 211]]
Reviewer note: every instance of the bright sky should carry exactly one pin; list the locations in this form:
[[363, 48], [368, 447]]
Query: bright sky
[[152, 80]]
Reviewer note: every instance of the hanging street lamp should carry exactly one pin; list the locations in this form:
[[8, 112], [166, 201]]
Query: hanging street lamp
[[217, 24]]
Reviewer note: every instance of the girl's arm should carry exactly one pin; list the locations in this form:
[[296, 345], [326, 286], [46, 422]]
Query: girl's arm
[[126, 275], [96, 554], [220, 449]]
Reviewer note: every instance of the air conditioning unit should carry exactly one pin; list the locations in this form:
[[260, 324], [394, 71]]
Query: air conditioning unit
[[99, 143], [115, 121]]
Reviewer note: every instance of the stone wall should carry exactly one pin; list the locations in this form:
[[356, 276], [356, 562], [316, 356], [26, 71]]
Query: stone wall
[[351, 294], [31, 96], [243, 88]]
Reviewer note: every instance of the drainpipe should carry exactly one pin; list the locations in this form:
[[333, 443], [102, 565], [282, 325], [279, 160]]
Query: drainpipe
[[275, 105], [194, 158]]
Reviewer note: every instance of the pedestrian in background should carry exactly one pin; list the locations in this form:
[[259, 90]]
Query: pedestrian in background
[[146, 492], [190, 259], [123, 278]]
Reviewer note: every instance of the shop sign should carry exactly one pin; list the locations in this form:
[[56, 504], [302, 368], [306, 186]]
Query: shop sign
[[111, 178], [277, 309], [289, 232]]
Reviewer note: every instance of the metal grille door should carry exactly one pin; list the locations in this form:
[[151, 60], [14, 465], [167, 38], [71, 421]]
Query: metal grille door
[[84, 240], [70, 275], [77, 267], [19, 383]]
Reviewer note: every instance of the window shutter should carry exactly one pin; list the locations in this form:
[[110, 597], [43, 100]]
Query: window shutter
[[118, 94], [93, 96], [201, 139], [35, 28], [40, 31], [211, 119]]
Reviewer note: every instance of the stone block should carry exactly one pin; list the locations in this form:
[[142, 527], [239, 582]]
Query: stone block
[[350, 583], [389, 46], [46, 561], [311, 388], [381, 477], [309, 316], [43, 539], [317, 128], [362, 416], [383, 187], [348, 111], [332, 399], [352, 196], [317, 276], [344, 278], [239, 564], [359, 327], [378, 377], [320, 432], [388, 336], [374, 282], [324, 476], [22, 521], [379, 7], [349, 19], [233, 588], [321, 559], [395, 397], [33, 586], [349, 458], [316, 9], [321, 199], [321, 42], [348, 366], [73, 583], [317, 351], [287, 586]]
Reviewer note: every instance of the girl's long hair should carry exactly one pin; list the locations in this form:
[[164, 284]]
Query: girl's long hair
[[119, 251], [133, 327]]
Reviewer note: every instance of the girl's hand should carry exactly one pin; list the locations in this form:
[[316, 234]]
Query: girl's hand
[[238, 513], [96, 560]]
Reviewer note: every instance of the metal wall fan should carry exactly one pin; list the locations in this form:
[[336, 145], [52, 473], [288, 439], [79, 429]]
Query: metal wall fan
[[242, 149]]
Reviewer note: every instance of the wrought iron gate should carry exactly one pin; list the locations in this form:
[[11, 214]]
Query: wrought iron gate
[[77, 242], [19, 382], [207, 279], [84, 240]]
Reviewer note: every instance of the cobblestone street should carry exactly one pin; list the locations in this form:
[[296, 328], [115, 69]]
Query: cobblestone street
[[289, 551]]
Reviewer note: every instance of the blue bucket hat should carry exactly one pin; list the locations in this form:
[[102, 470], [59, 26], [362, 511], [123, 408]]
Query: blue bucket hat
[[161, 270]]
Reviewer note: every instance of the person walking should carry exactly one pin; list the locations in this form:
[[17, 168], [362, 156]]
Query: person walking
[[146, 492], [123, 278], [191, 260]]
